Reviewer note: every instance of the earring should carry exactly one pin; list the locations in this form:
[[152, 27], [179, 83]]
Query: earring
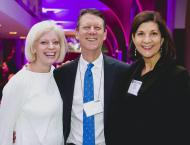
[[135, 52]]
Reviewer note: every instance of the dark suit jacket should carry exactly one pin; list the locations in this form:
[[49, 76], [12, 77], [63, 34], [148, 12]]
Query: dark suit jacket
[[159, 114], [115, 73]]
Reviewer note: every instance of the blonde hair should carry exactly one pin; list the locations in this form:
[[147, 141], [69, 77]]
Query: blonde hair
[[37, 31]]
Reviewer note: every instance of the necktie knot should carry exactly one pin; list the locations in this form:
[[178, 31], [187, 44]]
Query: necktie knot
[[89, 66]]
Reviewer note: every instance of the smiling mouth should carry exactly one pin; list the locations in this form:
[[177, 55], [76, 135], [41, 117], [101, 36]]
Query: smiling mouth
[[147, 47], [91, 39], [50, 54]]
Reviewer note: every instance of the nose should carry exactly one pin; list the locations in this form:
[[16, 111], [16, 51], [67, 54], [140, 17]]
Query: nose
[[147, 39], [92, 30], [51, 45]]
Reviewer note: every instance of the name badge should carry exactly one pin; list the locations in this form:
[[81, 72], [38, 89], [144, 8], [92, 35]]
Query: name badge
[[134, 87], [93, 107]]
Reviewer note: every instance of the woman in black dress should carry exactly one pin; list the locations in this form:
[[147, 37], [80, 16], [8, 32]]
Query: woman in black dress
[[158, 92]]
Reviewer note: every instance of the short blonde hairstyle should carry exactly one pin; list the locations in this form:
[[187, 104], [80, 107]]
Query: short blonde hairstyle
[[37, 31]]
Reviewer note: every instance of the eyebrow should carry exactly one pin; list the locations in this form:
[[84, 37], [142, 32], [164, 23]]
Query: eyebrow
[[156, 30]]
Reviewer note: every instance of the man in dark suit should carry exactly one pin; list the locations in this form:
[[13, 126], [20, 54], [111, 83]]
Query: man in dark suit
[[109, 77]]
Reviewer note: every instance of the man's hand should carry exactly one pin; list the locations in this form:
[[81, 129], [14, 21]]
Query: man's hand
[[59, 65]]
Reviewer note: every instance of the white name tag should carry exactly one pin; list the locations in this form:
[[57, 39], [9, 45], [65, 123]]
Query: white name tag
[[134, 87], [93, 107]]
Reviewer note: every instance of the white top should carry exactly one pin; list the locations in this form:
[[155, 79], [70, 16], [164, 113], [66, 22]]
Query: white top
[[76, 133], [31, 106]]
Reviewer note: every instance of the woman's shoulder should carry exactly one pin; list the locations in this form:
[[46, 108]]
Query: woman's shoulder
[[19, 74], [180, 76], [179, 70], [169, 66], [17, 79], [138, 64]]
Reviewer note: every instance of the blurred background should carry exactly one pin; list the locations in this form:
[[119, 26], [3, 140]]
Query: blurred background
[[17, 17]]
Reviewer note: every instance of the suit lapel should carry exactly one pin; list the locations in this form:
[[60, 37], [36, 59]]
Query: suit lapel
[[71, 75], [108, 82]]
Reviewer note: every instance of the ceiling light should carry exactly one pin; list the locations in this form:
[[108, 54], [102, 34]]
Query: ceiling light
[[64, 22], [22, 37], [45, 10], [12, 33]]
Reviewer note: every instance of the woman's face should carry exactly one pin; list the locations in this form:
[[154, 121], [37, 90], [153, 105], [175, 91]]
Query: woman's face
[[147, 40], [47, 48]]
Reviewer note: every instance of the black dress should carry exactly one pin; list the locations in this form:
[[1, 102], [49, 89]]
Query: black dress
[[159, 114]]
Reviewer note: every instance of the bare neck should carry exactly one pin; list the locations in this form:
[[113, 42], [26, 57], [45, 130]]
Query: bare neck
[[90, 56], [34, 67]]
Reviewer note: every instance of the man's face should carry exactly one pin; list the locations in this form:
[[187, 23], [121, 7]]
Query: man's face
[[91, 33]]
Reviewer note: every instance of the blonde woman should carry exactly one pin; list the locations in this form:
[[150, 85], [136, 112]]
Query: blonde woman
[[31, 104]]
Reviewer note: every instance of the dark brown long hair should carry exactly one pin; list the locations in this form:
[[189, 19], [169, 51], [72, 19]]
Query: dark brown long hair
[[168, 48]]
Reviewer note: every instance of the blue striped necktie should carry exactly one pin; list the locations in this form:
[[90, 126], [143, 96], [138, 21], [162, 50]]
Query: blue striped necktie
[[88, 122]]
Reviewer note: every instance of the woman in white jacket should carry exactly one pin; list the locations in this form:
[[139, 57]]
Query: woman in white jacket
[[31, 104]]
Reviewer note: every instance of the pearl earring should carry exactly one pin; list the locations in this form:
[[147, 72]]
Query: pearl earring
[[135, 52]]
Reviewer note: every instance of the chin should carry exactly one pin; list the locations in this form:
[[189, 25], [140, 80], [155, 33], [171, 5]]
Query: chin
[[50, 62]]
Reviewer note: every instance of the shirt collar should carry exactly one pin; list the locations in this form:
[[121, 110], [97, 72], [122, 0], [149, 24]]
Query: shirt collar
[[97, 63]]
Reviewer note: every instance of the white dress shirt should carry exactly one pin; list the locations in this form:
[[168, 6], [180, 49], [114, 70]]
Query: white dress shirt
[[76, 132]]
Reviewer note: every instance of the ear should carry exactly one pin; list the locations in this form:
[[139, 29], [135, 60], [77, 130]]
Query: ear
[[105, 34], [77, 33]]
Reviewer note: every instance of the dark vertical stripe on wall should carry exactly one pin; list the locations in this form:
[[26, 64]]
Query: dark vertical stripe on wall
[[187, 27], [161, 6], [179, 39]]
